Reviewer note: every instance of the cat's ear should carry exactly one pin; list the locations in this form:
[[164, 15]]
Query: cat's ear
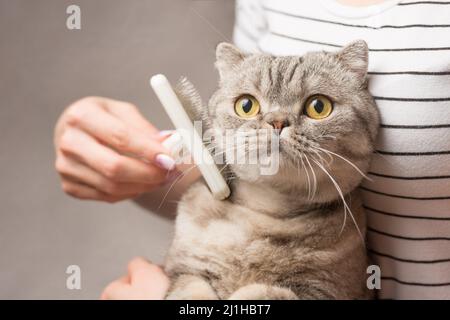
[[227, 58], [355, 56]]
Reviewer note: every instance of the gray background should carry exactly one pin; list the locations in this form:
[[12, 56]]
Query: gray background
[[43, 68]]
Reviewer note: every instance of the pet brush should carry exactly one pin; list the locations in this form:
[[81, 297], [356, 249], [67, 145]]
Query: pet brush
[[189, 137]]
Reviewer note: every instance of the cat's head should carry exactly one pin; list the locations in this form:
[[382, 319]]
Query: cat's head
[[317, 107]]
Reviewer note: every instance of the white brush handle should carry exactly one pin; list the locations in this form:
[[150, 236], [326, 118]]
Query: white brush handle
[[190, 137]]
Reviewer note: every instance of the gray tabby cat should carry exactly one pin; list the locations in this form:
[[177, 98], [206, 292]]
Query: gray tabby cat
[[297, 234]]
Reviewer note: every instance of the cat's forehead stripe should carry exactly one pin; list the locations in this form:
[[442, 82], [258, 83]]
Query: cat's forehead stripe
[[280, 79]]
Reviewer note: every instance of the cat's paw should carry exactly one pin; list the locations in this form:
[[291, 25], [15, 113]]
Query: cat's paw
[[262, 292], [191, 288]]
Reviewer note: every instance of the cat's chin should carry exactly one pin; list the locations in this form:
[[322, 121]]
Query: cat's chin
[[285, 172]]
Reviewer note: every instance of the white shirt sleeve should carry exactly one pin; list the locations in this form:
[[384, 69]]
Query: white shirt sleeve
[[250, 24]]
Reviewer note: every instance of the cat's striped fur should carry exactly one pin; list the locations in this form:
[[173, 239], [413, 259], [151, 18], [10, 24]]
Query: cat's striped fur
[[274, 238]]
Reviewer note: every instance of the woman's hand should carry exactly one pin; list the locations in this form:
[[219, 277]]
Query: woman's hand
[[144, 281], [106, 150]]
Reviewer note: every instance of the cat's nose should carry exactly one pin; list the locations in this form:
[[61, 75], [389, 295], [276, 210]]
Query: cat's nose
[[279, 124]]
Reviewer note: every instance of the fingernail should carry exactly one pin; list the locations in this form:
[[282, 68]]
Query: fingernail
[[165, 133], [165, 162]]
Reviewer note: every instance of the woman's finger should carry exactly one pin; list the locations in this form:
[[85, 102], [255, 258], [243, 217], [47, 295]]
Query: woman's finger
[[108, 162], [148, 278], [72, 169], [117, 290], [105, 293], [116, 133], [115, 192], [79, 190], [131, 115]]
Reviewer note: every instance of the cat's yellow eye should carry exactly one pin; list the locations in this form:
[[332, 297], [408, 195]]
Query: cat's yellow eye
[[318, 107], [246, 106]]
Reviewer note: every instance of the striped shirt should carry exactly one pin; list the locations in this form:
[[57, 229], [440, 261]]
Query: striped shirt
[[408, 201]]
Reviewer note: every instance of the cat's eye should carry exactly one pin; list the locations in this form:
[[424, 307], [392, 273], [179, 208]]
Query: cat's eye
[[246, 106], [318, 107]]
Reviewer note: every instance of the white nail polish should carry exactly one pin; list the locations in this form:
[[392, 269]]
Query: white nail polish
[[164, 133], [165, 162]]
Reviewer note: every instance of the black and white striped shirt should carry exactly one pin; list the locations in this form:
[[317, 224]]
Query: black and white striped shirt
[[408, 202]]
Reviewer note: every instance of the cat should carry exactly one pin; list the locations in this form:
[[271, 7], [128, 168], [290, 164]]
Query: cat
[[298, 233]]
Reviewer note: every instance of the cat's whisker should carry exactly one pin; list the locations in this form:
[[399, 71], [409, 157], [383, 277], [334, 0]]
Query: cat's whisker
[[344, 222], [346, 207], [307, 174], [348, 161], [207, 22], [318, 153], [182, 175], [224, 167], [327, 136], [299, 166], [174, 201], [330, 157], [314, 190], [232, 148]]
